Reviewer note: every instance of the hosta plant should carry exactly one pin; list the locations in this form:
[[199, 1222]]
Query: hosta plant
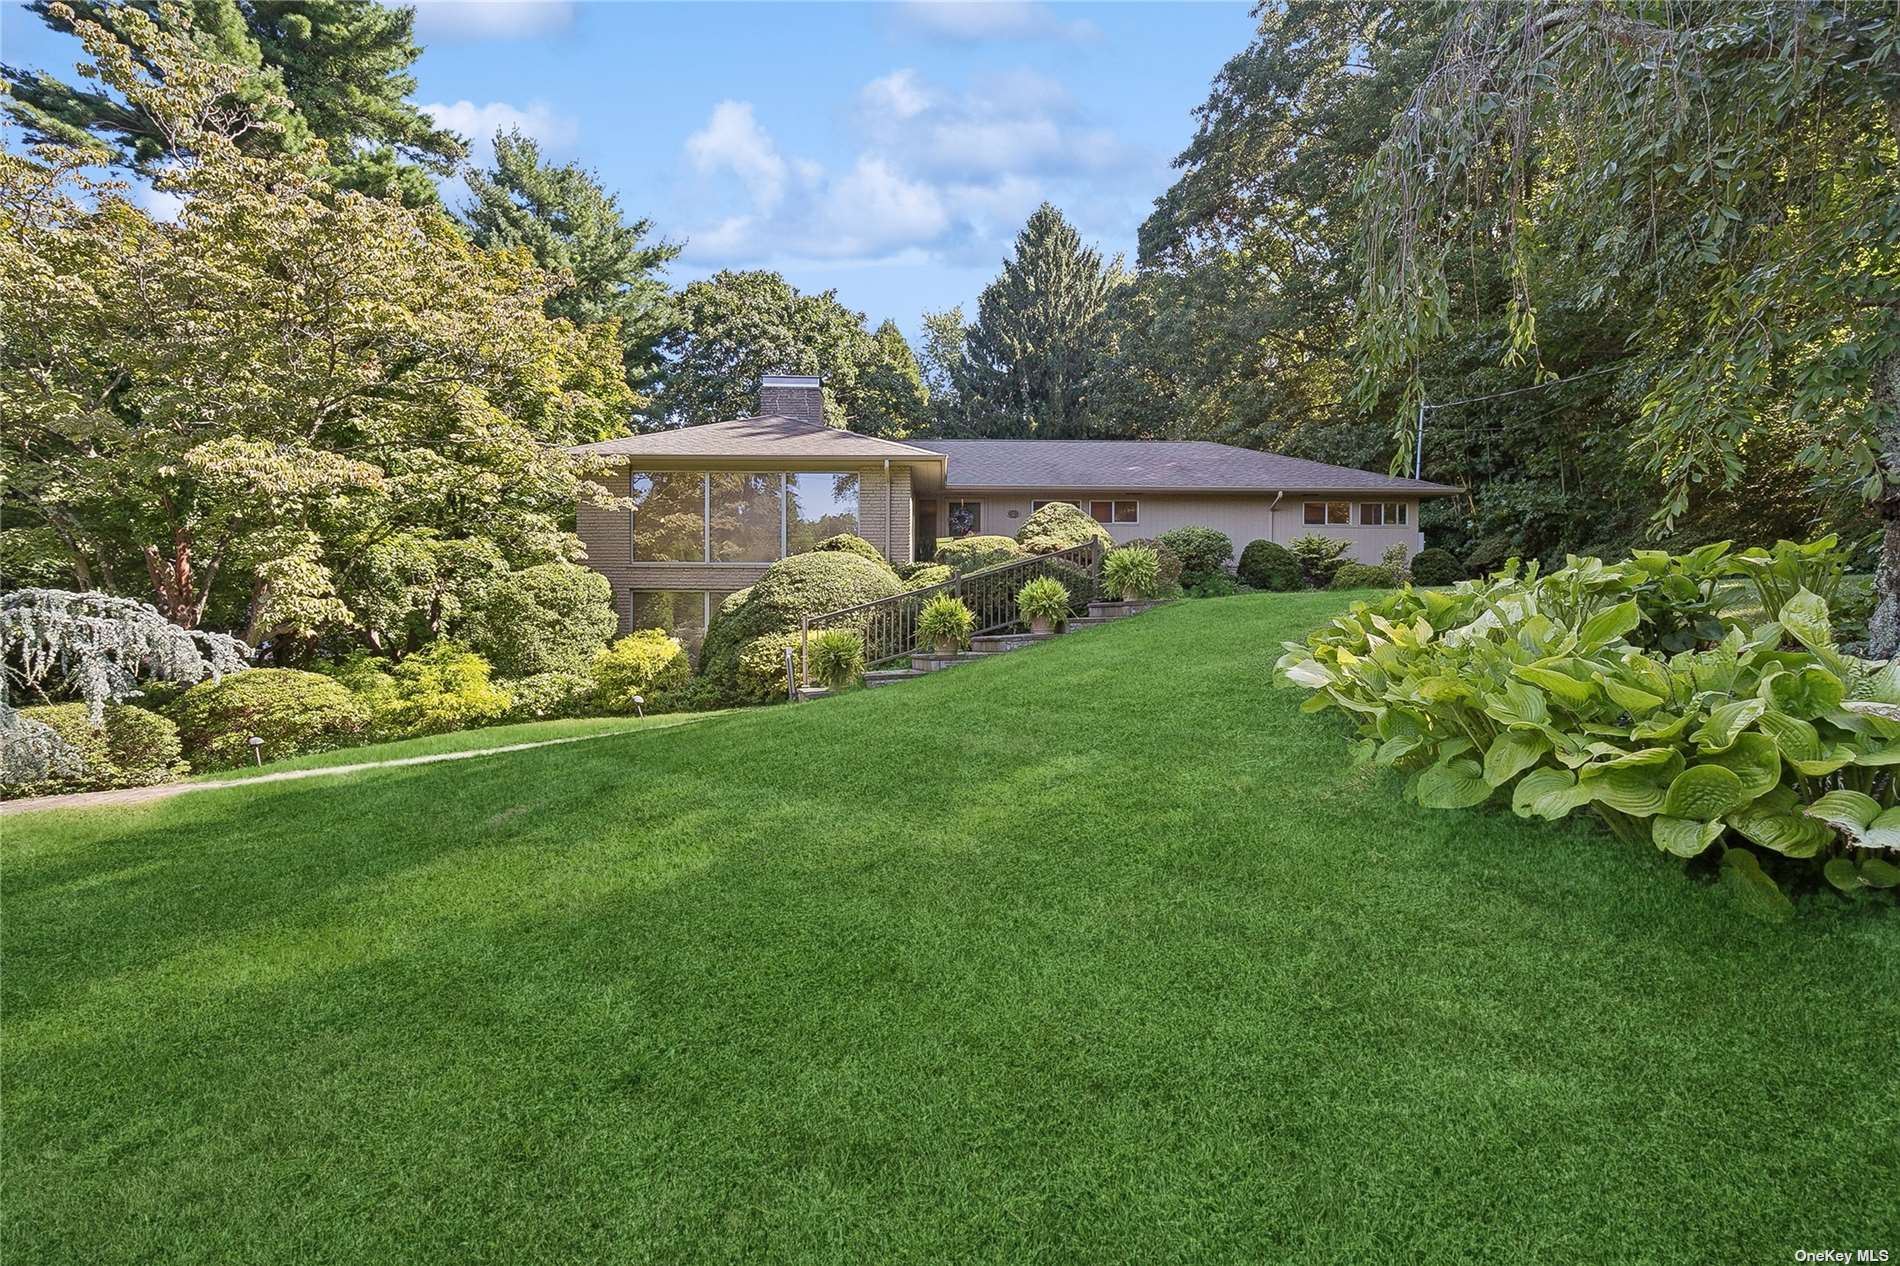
[[1766, 751], [944, 624], [1132, 573], [836, 657], [1043, 602]]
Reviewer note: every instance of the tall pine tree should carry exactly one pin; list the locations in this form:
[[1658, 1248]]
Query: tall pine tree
[[344, 65], [1040, 335], [568, 222]]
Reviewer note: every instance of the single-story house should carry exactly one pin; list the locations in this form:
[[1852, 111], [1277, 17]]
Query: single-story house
[[715, 504]]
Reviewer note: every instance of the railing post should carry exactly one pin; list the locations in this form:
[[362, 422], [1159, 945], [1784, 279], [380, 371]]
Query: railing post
[[804, 656], [791, 677]]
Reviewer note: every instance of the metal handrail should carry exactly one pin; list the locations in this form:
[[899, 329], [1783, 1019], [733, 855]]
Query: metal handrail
[[889, 625]]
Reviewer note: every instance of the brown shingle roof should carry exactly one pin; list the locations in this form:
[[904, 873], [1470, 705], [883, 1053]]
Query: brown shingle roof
[[1153, 466], [762, 437]]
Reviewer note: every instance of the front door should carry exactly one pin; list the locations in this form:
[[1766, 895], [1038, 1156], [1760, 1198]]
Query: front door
[[926, 530]]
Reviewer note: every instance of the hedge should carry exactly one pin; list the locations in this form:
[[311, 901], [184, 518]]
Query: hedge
[[970, 553], [131, 747], [294, 712]]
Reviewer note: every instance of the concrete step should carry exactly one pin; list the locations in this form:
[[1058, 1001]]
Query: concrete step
[[1116, 610], [890, 676]]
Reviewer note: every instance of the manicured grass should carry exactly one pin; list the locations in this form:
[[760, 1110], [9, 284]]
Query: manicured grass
[[1096, 951], [460, 741]]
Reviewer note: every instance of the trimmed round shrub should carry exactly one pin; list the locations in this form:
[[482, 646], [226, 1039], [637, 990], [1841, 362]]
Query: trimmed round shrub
[[1436, 567], [927, 575], [1167, 563], [802, 585], [760, 673], [970, 553], [836, 657], [849, 544], [550, 618], [1058, 526], [434, 691], [130, 747], [1202, 550], [546, 696], [647, 663], [293, 712], [1269, 565], [1363, 576]]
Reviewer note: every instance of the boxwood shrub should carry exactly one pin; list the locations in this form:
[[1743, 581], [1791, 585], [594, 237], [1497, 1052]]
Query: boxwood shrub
[[293, 712], [1363, 576], [846, 543], [969, 553], [1269, 565], [130, 747], [1202, 550], [1436, 567], [1059, 526], [802, 585]]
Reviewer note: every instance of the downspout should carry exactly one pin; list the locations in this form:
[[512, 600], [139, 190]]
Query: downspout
[[888, 525], [1273, 524]]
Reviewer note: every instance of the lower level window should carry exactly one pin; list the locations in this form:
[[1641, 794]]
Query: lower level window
[[1328, 512], [1112, 511], [1382, 513], [1054, 501], [681, 612], [966, 518]]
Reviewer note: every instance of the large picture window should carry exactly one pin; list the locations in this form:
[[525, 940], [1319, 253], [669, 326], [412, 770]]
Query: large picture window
[[747, 518], [819, 505], [669, 518]]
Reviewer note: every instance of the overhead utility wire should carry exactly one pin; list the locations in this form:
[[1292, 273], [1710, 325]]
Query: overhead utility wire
[[1418, 445]]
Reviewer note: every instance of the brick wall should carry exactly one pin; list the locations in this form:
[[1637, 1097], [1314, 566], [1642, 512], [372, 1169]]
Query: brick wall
[[793, 402]]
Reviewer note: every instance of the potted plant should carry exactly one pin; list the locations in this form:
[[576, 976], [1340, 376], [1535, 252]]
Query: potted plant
[[944, 624], [837, 657], [1132, 572], [1043, 602]]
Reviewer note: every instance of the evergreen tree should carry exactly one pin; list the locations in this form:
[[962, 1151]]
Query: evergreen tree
[[343, 65], [569, 223], [891, 398], [1040, 334]]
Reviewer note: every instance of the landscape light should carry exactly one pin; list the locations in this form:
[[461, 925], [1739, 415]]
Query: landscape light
[[257, 749]]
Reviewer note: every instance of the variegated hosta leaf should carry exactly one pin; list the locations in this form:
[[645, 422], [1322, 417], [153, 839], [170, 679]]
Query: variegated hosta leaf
[[1882, 686], [1453, 784], [1790, 834], [1872, 708], [1511, 753], [1851, 812], [1755, 760], [1304, 671], [1879, 756], [1394, 750], [1759, 894], [1548, 793], [1631, 791], [1683, 836], [1805, 618], [1704, 793], [1632, 700], [1806, 693], [1719, 731]]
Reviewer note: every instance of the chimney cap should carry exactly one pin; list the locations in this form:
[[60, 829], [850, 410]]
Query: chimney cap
[[791, 380]]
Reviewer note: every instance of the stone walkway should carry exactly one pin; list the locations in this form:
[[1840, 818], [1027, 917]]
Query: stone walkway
[[142, 795]]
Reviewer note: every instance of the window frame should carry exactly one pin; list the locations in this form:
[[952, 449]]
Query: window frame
[[1114, 505], [1390, 514], [705, 477], [1326, 518]]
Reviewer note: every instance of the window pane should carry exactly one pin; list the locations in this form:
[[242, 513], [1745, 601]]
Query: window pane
[[1404, 511], [745, 518], [669, 518], [1124, 512], [1339, 512], [681, 612], [966, 518], [1316, 512], [818, 506], [1102, 511], [1368, 513]]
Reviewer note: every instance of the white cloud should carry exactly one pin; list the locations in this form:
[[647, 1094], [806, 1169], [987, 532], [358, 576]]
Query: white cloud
[[732, 140], [479, 123], [441, 20], [898, 95], [973, 21]]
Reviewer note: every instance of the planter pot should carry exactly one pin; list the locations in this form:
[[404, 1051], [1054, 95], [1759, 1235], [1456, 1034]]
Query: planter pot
[[948, 650], [1130, 595], [1042, 626]]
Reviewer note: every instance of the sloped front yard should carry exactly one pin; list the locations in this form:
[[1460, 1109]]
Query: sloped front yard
[[1095, 951]]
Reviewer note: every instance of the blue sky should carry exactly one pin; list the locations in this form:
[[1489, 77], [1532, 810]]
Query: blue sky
[[889, 151]]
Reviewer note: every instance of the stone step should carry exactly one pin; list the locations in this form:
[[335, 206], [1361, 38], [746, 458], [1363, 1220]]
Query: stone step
[[999, 643], [890, 676], [1116, 610]]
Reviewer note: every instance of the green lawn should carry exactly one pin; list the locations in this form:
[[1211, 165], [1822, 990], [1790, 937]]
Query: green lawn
[[462, 741], [1096, 951]]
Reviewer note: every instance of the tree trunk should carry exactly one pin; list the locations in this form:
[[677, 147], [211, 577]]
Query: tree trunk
[[1883, 627]]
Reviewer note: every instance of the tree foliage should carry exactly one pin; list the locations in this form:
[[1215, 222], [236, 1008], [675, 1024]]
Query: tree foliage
[[293, 408], [575, 228], [336, 71]]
